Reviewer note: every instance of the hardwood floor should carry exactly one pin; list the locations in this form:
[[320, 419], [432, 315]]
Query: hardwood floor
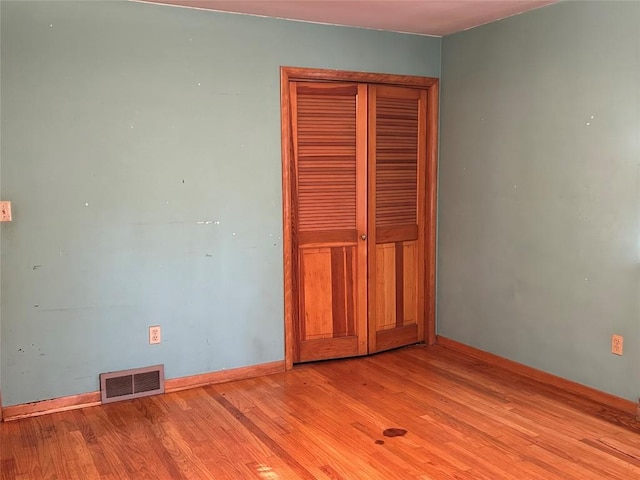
[[463, 420]]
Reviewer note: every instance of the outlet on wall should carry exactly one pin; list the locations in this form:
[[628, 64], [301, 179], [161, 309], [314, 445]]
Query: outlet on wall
[[616, 344], [155, 335], [5, 211]]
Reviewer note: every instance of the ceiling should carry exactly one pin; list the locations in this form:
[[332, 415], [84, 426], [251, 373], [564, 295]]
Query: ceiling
[[425, 17]]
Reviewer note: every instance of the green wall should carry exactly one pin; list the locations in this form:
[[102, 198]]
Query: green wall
[[141, 151], [539, 207]]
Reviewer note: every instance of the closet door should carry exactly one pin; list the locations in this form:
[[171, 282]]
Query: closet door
[[329, 152], [397, 179]]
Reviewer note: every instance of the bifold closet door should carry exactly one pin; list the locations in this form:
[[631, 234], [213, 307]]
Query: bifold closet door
[[329, 133], [396, 192]]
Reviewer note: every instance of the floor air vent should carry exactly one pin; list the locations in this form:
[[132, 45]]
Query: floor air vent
[[135, 383]]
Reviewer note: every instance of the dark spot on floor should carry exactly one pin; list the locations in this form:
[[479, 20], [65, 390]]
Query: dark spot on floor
[[379, 442], [394, 432]]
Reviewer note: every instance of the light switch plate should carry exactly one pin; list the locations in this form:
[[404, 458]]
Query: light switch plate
[[5, 211]]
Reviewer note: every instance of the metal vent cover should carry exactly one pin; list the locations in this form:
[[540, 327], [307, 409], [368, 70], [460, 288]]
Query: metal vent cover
[[134, 383]]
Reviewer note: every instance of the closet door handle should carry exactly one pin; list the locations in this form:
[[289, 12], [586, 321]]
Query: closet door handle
[[363, 236]]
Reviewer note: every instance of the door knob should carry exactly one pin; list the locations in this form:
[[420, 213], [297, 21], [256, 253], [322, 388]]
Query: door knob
[[363, 236]]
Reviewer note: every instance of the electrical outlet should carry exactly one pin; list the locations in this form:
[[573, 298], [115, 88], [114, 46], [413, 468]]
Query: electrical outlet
[[616, 344], [5, 211], [155, 335]]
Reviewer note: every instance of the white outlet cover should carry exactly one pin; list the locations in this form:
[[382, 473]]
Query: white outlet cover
[[5, 211], [155, 335]]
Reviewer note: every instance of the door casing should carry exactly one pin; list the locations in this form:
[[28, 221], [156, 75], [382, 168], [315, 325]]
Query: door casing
[[288, 74]]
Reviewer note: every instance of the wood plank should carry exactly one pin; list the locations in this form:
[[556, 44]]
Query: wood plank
[[372, 259], [289, 226], [317, 316], [397, 337], [322, 349], [387, 92], [385, 287], [328, 236], [338, 292], [410, 283], [397, 234], [340, 89], [247, 423], [312, 74], [359, 274], [426, 245], [399, 261], [427, 297], [353, 327]]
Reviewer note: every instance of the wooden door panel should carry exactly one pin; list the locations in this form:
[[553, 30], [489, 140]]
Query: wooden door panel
[[397, 148], [321, 349], [329, 147], [327, 292], [409, 285], [397, 337], [328, 303], [315, 268], [396, 282], [385, 307]]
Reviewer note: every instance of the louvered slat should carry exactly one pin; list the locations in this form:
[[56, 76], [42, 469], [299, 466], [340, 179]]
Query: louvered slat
[[326, 147], [396, 161]]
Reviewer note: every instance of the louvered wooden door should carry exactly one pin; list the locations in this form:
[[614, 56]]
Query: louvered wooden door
[[329, 148], [397, 177], [358, 183]]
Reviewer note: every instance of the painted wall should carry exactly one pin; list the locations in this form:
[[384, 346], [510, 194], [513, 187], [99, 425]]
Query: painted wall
[[539, 204], [141, 150]]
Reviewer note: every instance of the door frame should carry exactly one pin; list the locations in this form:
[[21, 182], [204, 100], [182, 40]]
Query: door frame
[[288, 74]]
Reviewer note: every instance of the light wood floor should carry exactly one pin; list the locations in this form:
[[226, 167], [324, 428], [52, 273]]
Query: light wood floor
[[464, 420]]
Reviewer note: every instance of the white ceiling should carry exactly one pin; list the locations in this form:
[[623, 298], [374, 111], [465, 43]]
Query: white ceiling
[[425, 17]]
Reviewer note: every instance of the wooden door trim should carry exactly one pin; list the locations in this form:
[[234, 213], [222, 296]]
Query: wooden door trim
[[321, 75], [371, 212], [423, 214], [431, 213], [290, 286], [288, 74], [362, 320]]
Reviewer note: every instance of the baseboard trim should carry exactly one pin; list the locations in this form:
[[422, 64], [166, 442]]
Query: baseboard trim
[[91, 399], [61, 404], [222, 376], [599, 396]]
